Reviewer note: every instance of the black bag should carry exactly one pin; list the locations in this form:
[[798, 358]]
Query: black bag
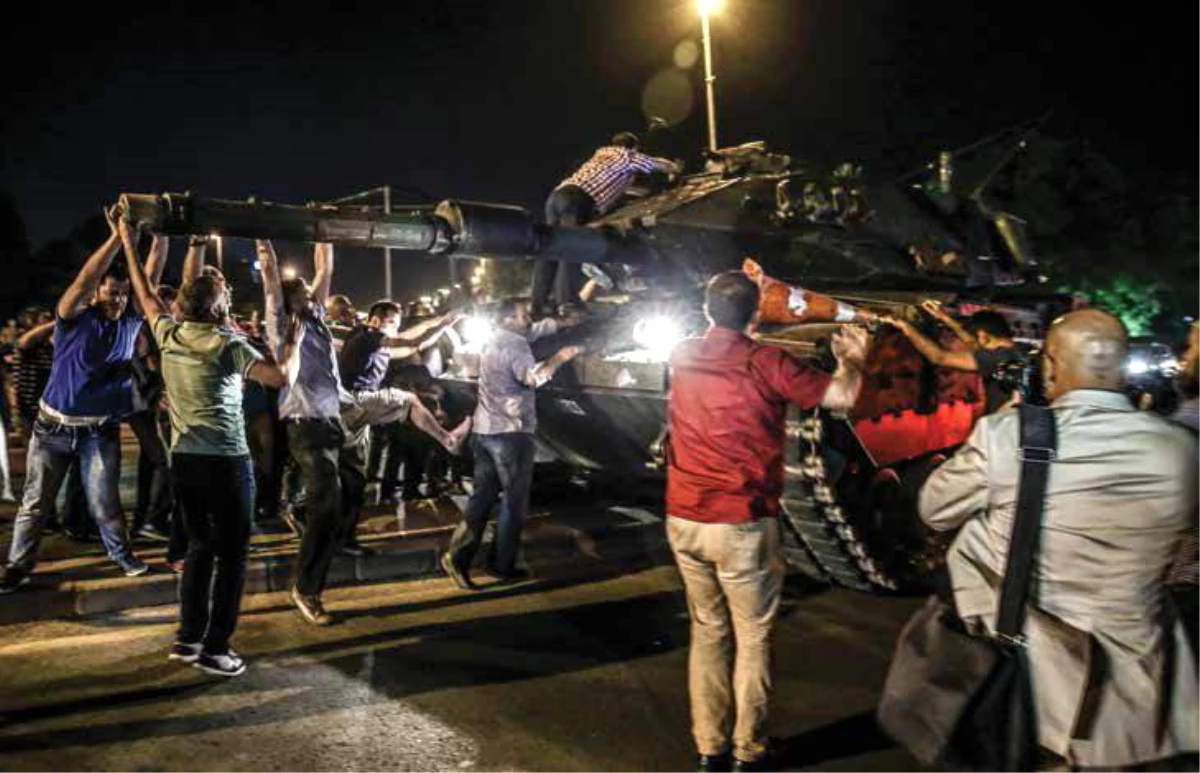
[[960, 699]]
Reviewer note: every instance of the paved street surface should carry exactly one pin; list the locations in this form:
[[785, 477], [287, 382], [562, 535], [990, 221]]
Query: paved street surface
[[581, 669]]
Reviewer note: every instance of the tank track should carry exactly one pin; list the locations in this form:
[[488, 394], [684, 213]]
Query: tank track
[[817, 538]]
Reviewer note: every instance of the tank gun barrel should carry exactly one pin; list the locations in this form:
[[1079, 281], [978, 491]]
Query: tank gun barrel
[[461, 229]]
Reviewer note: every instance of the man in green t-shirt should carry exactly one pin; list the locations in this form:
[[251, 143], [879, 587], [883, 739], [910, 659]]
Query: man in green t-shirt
[[204, 365]]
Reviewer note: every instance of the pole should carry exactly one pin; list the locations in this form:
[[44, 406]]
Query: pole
[[220, 255], [709, 80], [387, 251]]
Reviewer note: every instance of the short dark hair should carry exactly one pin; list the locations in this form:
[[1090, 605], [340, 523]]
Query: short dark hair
[[382, 309], [198, 298], [730, 300], [115, 272], [626, 140], [991, 322], [167, 294]]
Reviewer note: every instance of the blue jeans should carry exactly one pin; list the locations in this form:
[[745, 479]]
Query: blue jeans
[[52, 447], [503, 463]]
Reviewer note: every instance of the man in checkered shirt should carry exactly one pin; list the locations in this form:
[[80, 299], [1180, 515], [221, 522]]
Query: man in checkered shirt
[[587, 194]]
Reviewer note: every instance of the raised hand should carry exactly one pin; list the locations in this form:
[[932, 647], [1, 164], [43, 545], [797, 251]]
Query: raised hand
[[850, 345]]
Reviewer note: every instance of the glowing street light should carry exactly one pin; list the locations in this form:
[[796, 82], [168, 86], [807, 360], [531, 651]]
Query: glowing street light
[[707, 8], [289, 272]]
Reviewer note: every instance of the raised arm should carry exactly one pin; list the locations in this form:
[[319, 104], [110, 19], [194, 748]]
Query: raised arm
[[79, 294], [273, 322], [35, 336], [156, 261], [193, 264], [323, 278], [850, 348], [943, 358], [277, 375], [935, 310], [152, 307]]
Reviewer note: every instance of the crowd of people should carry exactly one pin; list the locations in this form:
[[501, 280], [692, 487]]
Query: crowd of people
[[291, 414]]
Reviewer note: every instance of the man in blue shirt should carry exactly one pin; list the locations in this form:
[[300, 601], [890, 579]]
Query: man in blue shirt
[[90, 390]]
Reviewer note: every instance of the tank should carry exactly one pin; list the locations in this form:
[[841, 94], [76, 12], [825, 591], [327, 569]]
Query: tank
[[851, 480]]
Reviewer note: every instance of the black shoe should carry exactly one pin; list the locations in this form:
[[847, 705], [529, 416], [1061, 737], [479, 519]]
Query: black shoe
[[310, 608], [713, 763], [12, 579], [767, 762], [356, 550], [81, 536], [516, 574], [185, 653], [461, 577]]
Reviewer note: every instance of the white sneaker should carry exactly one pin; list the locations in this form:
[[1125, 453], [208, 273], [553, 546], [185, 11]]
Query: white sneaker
[[229, 664]]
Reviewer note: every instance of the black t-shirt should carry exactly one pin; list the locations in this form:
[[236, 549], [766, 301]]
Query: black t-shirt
[[991, 364], [364, 360]]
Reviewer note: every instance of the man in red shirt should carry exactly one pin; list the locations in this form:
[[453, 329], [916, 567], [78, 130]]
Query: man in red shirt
[[726, 412]]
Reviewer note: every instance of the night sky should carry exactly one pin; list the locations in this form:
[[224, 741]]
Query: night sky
[[498, 100]]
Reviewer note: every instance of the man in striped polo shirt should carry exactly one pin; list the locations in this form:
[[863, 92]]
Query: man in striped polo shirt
[[587, 194]]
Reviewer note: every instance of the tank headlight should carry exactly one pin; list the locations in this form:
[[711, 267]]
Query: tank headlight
[[658, 335], [477, 331], [1137, 366]]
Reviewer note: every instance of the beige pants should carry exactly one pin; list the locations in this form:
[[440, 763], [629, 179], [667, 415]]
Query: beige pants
[[733, 574]]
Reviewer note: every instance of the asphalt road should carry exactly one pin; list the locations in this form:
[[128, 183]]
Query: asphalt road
[[581, 669]]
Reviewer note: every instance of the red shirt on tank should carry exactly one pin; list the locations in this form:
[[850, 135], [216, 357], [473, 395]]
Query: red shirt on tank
[[726, 411]]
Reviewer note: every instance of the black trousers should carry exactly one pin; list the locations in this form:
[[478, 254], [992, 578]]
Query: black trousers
[[154, 501], [334, 477], [412, 448], [216, 497]]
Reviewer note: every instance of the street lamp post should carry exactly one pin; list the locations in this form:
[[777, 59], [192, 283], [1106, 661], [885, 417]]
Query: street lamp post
[[387, 251], [706, 9]]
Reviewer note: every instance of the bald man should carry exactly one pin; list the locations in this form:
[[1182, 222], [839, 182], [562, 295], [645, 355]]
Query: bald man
[[1113, 678]]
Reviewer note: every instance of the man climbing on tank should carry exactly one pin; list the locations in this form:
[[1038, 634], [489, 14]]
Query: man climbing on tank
[[590, 192]]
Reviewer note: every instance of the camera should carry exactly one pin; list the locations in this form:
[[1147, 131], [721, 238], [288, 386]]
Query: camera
[[1021, 373]]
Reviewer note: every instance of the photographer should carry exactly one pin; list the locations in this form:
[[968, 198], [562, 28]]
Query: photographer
[[993, 353]]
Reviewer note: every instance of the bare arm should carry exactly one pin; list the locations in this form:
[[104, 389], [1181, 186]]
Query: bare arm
[[935, 310], [850, 348], [156, 261], [147, 299], [931, 351], [79, 294], [277, 375], [323, 279], [193, 264], [544, 371], [268, 264], [35, 336], [414, 334]]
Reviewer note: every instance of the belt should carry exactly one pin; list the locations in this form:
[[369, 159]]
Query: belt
[[69, 421]]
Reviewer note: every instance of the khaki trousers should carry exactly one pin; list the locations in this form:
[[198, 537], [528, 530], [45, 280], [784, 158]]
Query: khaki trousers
[[733, 574]]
